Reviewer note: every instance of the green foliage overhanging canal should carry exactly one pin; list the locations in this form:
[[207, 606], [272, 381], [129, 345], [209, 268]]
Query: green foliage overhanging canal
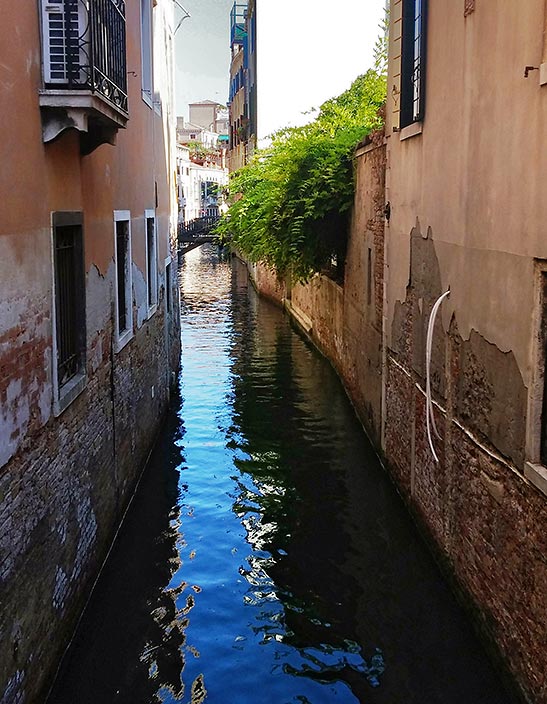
[[289, 206]]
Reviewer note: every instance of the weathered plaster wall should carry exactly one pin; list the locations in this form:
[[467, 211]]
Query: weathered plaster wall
[[476, 503], [467, 213], [486, 519], [476, 173], [65, 481]]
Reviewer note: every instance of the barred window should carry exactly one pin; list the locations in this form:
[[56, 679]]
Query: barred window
[[168, 289], [69, 295], [413, 61], [151, 259], [124, 298], [146, 50]]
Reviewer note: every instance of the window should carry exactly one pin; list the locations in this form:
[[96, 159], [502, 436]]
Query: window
[[146, 50], [543, 372], [369, 277], [151, 260], [69, 308], [124, 296], [168, 284], [535, 466], [413, 61]]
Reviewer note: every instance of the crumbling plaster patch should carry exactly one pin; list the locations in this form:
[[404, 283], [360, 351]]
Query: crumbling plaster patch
[[489, 392], [140, 294], [492, 292], [25, 340]]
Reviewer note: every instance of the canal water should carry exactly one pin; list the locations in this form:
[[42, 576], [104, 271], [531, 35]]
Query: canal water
[[266, 558]]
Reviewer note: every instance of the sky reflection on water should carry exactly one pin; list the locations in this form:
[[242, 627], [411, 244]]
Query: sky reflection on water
[[267, 559]]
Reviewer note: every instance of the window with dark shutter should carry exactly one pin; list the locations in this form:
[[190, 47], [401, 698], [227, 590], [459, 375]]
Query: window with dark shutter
[[69, 295], [124, 282], [151, 260], [413, 61]]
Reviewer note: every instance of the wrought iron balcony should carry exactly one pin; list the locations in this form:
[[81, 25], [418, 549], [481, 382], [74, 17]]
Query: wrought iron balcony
[[238, 30], [84, 68]]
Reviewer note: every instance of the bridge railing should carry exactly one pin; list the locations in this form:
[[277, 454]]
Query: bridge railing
[[197, 228]]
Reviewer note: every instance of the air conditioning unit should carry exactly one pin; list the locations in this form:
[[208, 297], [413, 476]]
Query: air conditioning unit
[[65, 41]]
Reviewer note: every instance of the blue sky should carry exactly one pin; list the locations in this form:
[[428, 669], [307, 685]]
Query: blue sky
[[202, 46], [310, 50]]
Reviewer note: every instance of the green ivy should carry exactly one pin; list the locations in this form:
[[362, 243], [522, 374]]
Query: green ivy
[[289, 206]]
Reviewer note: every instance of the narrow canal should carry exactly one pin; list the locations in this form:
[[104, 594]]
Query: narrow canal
[[266, 558]]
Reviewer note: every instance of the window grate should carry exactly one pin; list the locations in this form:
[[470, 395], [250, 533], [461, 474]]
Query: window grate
[[85, 47], [122, 250], [151, 263], [69, 301], [413, 61]]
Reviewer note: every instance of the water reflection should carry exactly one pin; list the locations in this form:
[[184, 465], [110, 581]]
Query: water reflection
[[130, 639], [267, 559]]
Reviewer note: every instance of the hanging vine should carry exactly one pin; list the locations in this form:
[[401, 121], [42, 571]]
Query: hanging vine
[[289, 206]]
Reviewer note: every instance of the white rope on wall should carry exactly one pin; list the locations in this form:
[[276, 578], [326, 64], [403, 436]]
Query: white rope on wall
[[429, 415]]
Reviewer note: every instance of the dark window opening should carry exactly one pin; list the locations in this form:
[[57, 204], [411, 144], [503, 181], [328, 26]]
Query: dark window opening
[[151, 264], [543, 445], [413, 61], [168, 285], [369, 277], [69, 295], [122, 265]]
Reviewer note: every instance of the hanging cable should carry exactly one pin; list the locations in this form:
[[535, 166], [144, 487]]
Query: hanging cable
[[429, 415], [185, 16]]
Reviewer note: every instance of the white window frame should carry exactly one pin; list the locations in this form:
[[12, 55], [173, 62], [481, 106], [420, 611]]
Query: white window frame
[[147, 68], [151, 301], [122, 337]]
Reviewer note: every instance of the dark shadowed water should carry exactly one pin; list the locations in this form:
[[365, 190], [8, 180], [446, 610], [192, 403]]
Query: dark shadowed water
[[266, 558]]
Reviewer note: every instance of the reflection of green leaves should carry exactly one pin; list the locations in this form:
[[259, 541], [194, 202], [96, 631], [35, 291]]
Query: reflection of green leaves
[[289, 205]]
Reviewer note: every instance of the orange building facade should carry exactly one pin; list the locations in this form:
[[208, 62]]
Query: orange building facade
[[89, 338]]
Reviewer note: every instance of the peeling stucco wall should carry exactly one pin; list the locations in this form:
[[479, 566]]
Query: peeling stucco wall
[[63, 491], [66, 477], [25, 349], [467, 214]]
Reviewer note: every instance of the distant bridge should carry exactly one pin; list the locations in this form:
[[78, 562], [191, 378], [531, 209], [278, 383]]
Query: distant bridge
[[195, 233]]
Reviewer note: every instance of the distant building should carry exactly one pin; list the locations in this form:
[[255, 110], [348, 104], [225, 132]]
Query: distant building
[[242, 92], [199, 184], [210, 116], [188, 132]]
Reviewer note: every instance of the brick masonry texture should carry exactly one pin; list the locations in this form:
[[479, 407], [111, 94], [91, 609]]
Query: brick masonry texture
[[63, 492]]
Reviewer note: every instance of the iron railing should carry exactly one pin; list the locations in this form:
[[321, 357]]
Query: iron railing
[[196, 229], [85, 47], [68, 300], [238, 31]]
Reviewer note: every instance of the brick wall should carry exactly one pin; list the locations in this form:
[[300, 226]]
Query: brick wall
[[64, 491]]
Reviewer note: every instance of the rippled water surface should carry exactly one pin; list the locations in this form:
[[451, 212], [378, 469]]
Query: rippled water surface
[[266, 558]]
